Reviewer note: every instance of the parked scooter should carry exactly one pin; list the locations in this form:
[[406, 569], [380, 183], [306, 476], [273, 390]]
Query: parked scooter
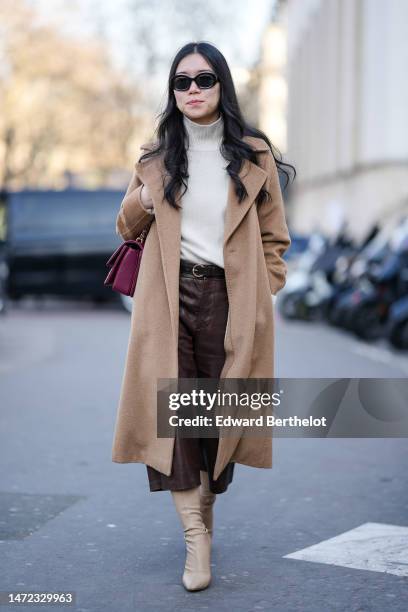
[[290, 302], [338, 274], [366, 308], [397, 326], [360, 287], [350, 272], [310, 289]]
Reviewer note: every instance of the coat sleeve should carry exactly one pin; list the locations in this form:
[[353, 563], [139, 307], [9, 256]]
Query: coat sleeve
[[274, 230], [132, 217]]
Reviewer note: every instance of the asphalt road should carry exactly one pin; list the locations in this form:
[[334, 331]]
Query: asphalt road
[[72, 520]]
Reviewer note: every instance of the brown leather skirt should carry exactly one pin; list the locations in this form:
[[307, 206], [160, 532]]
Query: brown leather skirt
[[203, 314]]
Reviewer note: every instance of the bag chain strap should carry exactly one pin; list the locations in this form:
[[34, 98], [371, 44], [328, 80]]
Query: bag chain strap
[[142, 237]]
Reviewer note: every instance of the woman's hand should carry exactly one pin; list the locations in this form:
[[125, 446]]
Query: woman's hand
[[146, 200]]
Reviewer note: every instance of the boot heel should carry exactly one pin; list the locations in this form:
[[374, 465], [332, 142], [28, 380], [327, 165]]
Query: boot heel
[[207, 500]]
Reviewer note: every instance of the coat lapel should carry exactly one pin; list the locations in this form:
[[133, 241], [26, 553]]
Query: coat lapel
[[168, 220]]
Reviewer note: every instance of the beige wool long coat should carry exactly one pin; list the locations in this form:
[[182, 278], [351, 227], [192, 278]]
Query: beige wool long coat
[[255, 239]]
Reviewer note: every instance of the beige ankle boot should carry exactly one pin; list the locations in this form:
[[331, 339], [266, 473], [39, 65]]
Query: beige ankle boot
[[197, 571], [207, 499]]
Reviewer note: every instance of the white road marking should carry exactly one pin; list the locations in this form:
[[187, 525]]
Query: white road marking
[[376, 547]]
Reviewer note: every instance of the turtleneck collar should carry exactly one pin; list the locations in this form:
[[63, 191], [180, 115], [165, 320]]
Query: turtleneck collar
[[204, 137]]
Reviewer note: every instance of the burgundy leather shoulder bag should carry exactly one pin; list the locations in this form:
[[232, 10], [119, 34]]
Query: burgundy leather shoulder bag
[[124, 264]]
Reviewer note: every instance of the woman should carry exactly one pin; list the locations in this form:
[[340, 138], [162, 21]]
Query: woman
[[213, 257]]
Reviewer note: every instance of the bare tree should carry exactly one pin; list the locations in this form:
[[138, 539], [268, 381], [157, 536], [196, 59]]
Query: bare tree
[[64, 107]]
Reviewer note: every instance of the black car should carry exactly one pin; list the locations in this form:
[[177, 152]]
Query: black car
[[58, 242]]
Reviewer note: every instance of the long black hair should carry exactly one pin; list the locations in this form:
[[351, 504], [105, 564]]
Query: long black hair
[[171, 131]]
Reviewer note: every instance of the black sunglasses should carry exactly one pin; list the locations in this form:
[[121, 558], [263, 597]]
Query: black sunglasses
[[204, 80]]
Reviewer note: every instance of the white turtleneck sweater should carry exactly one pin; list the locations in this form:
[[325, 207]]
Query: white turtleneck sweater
[[204, 203]]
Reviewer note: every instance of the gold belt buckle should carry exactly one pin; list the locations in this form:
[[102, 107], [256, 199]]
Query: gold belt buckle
[[195, 273]]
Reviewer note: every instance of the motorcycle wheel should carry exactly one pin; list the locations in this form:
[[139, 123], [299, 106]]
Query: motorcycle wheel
[[399, 335], [366, 323], [288, 306]]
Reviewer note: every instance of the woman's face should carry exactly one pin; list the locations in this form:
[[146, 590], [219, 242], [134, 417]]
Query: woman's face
[[207, 110]]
